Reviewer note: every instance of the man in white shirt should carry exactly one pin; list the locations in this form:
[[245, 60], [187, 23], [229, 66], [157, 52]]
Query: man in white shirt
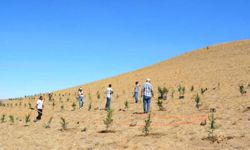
[[109, 93], [39, 107]]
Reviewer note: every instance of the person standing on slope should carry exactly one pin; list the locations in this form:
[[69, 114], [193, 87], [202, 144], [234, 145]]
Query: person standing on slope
[[147, 93], [109, 93], [39, 108], [80, 98], [136, 91]]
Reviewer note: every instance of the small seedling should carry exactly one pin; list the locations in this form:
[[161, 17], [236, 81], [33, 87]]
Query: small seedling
[[53, 104], [212, 119], [248, 86], [163, 93], [160, 105], [172, 93], [181, 91], [203, 90], [148, 122], [109, 120], [12, 119], [126, 105], [64, 124], [197, 101], [29, 105], [62, 107], [192, 88], [90, 106], [73, 106], [47, 125], [242, 90], [3, 118], [27, 119]]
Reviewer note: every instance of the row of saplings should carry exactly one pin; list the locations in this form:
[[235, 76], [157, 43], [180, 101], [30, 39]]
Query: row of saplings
[[146, 129]]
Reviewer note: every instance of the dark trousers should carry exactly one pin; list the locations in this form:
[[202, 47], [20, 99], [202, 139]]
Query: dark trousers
[[40, 113], [108, 103]]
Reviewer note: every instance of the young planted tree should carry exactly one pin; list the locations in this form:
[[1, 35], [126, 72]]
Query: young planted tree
[[29, 105], [162, 93], [64, 124], [12, 119], [27, 119], [108, 120], [192, 88], [148, 122], [197, 101], [242, 90], [160, 105], [47, 125], [3, 118], [126, 105], [62, 107], [53, 105], [90, 106], [181, 91], [172, 93], [73, 106], [203, 90], [211, 129]]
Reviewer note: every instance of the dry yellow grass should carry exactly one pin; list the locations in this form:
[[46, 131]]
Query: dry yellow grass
[[220, 68]]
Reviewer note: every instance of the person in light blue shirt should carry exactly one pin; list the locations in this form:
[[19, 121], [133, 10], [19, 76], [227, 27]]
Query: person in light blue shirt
[[136, 91], [147, 93]]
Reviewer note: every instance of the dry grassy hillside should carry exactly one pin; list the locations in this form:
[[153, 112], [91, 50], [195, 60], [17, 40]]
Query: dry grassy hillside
[[220, 69]]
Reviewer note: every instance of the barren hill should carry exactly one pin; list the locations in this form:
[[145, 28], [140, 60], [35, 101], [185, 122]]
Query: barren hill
[[220, 69]]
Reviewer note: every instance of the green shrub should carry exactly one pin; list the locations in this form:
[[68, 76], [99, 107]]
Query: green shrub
[[242, 90], [12, 119], [108, 120], [64, 124], [197, 101], [126, 105], [148, 122], [3, 118], [73, 106], [27, 119]]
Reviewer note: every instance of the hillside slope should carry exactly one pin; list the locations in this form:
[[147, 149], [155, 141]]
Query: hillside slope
[[220, 68]]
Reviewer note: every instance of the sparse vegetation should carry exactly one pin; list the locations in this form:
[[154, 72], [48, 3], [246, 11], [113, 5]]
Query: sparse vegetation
[[192, 88], [73, 106], [27, 119], [148, 122], [197, 101], [3, 118], [12, 119], [181, 91], [203, 90], [172, 93], [162, 93], [126, 105], [160, 105], [62, 107], [242, 90], [53, 105], [108, 120], [47, 125], [29, 105], [211, 129], [64, 124], [90, 106]]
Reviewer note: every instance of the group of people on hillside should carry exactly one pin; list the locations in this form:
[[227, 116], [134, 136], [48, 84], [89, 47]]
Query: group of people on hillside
[[146, 93]]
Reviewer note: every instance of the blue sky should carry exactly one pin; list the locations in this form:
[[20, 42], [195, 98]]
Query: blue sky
[[55, 44]]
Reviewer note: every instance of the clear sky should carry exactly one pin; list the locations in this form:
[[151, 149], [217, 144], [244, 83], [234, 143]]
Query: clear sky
[[55, 44]]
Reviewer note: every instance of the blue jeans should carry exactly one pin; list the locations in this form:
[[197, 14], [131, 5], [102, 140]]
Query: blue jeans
[[146, 104], [108, 103], [81, 101], [136, 96]]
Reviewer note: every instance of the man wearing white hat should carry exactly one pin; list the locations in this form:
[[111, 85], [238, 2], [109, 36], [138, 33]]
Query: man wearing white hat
[[147, 93]]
